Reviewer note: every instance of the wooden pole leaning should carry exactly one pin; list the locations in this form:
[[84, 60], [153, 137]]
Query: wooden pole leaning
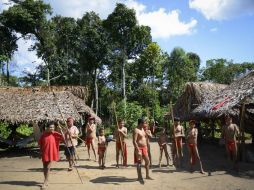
[[241, 138], [173, 121], [69, 136], [119, 136]]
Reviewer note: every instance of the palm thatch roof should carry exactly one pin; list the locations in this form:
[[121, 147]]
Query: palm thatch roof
[[194, 94], [28, 105], [229, 100]]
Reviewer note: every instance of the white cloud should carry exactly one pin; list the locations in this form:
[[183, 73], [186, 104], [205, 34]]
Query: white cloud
[[222, 9], [214, 29], [25, 59], [164, 24], [76, 8], [5, 4]]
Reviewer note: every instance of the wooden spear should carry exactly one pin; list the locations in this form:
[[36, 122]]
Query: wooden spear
[[119, 135], [173, 121], [69, 136]]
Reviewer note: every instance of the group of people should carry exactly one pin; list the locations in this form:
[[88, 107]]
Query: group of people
[[50, 140]]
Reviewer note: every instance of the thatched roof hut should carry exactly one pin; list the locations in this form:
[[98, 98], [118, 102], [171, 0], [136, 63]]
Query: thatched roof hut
[[37, 104], [229, 100], [194, 94]]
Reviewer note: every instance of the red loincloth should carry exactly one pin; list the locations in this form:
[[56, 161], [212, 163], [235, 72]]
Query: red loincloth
[[89, 140], [143, 151], [118, 145], [231, 145], [192, 152], [101, 149], [178, 141], [49, 144]]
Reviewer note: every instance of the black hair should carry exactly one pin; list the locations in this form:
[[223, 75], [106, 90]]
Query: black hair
[[51, 123], [101, 129], [176, 119], [120, 120], [141, 121]]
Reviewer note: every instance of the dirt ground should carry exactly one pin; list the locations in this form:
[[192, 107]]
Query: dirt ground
[[19, 171]]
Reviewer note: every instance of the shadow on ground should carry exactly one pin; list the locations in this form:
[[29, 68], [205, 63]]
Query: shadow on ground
[[21, 183], [116, 180]]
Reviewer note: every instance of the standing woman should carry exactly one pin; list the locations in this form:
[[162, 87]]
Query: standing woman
[[192, 135], [148, 136], [49, 146], [91, 136]]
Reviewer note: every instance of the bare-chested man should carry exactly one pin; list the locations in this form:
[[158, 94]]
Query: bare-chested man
[[229, 132], [177, 145], [192, 136], [162, 141], [148, 136], [91, 136], [121, 135], [140, 149]]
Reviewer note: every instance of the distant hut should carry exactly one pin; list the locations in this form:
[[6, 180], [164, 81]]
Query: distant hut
[[35, 105], [194, 94], [229, 101]]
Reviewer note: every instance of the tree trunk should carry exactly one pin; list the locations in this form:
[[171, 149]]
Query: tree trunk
[[123, 84], [96, 94], [8, 73], [48, 81], [242, 150], [0, 74], [123, 80]]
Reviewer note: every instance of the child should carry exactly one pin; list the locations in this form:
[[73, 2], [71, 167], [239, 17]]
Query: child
[[192, 134], [101, 148], [49, 146], [162, 141]]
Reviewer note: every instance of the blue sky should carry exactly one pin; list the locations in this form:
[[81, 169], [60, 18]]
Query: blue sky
[[210, 28]]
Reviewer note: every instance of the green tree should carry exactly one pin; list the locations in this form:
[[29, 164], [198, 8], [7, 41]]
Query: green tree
[[129, 39], [92, 48], [58, 52], [180, 68], [149, 65], [28, 17], [224, 71], [8, 46]]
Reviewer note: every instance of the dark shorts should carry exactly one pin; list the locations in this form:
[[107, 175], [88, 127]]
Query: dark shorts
[[69, 152]]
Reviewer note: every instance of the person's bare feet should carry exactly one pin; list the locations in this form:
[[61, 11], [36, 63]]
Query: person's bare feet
[[202, 172], [141, 181], [44, 185], [148, 177]]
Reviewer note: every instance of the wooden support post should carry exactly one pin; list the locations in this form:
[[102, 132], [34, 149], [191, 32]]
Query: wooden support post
[[242, 137], [213, 130]]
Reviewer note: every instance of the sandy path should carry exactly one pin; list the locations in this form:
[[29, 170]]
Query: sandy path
[[23, 172]]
